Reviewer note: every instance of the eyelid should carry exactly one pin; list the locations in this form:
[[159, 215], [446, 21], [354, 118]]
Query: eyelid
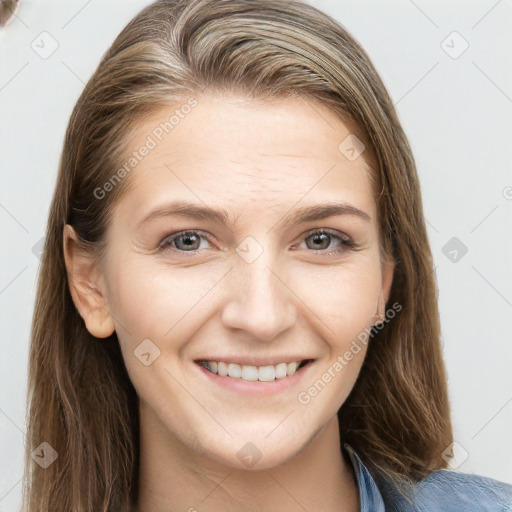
[[333, 232]]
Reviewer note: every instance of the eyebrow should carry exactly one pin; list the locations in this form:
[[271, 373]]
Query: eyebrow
[[222, 216]]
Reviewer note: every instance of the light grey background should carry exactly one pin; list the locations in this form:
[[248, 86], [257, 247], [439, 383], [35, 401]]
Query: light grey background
[[455, 107]]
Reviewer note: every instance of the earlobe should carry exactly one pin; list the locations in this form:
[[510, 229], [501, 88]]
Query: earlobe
[[84, 286]]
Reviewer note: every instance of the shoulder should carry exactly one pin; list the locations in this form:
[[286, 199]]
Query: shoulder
[[442, 491], [463, 491], [450, 491]]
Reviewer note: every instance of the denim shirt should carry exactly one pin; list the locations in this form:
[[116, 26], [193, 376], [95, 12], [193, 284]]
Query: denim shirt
[[442, 491]]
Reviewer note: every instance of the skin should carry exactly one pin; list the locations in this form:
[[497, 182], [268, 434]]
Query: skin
[[259, 160]]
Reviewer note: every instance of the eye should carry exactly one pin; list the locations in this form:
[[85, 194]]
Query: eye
[[184, 241], [320, 240]]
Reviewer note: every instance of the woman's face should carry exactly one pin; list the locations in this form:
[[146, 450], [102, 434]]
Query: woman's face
[[251, 285]]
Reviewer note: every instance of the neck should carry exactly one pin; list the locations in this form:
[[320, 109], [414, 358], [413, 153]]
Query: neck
[[173, 477]]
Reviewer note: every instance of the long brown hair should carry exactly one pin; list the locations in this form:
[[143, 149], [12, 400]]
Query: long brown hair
[[81, 401]]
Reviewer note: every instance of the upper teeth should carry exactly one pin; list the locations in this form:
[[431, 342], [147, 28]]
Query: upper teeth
[[252, 373]]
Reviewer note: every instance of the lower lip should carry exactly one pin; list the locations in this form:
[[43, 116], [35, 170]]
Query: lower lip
[[256, 387]]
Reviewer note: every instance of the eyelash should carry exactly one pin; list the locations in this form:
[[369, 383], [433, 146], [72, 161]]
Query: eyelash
[[346, 242]]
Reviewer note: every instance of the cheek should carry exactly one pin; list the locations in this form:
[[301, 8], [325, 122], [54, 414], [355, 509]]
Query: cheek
[[151, 298], [163, 304], [344, 298]]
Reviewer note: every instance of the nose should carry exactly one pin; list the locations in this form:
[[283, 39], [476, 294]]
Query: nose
[[260, 302]]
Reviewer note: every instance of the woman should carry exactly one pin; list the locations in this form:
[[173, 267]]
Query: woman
[[237, 308]]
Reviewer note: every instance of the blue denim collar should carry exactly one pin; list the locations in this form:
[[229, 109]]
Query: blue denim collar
[[370, 498], [441, 490]]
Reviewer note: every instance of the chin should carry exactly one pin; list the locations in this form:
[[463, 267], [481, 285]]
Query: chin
[[256, 451]]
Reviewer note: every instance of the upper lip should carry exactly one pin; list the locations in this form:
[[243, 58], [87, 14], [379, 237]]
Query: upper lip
[[254, 360]]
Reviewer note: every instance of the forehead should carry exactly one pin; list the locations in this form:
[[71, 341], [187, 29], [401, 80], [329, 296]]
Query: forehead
[[246, 154]]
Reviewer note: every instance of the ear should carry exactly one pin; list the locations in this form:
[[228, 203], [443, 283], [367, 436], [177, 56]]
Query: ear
[[388, 269], [86, 286]]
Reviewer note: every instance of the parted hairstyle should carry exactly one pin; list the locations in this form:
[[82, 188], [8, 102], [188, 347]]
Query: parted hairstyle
[[80, 398]]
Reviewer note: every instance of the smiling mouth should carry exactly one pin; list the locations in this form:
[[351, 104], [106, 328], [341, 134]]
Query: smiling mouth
[[267, 373]]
